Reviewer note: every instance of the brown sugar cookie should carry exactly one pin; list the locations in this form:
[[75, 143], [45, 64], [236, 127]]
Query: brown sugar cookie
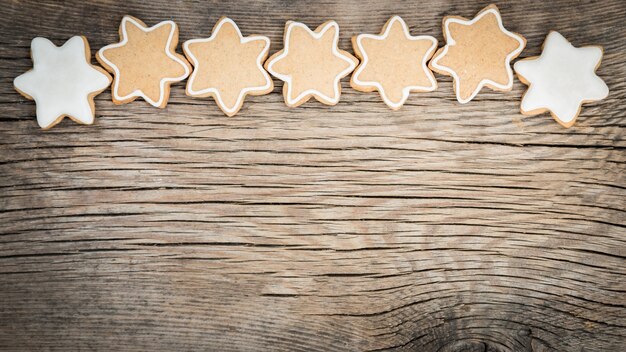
[[144, 62], [228, 66], [311, 64], [477, 53], [394, 63]]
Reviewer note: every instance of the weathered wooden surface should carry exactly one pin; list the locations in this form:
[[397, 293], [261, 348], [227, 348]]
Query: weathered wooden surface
[[440, 227]]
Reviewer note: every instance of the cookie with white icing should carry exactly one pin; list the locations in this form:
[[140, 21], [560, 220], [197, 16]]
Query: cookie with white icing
[[477, 53], [311, 64], [144, 62], [63, 82], [561, 79], [394, 63], [228, 66]]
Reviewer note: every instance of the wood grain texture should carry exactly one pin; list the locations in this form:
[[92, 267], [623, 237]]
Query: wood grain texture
[[439, 227]]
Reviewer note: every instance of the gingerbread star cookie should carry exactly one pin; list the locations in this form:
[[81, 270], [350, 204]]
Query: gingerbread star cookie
[[311, 64], [477, 53], [228, 66], [144, 62], [561, 79], [63, 82], [394, 63]]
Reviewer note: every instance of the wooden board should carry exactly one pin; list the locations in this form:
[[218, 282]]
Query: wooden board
[[439, 227]]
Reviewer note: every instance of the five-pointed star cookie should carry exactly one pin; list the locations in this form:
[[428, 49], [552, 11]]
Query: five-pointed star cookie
[[228, 66], [477, 53], [63, 82], [394, 63], [144, 62], [561, 79], [311, 64]]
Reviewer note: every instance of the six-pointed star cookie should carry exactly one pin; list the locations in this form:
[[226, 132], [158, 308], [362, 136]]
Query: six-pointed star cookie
[[228, 66], [144, 62], [477, 53], [62, 82], [561, 79], [394, 63], [311, 64]]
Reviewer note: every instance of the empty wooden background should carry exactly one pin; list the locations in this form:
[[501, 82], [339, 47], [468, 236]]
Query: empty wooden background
[[440, 227]]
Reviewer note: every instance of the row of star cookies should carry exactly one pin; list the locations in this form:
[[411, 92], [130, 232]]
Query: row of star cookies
[[229, 66]]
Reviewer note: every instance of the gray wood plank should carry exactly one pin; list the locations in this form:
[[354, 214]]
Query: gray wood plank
[[439, 227]]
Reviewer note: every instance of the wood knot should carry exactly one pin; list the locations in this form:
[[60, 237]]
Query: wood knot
[[465, 346], [474, 346]]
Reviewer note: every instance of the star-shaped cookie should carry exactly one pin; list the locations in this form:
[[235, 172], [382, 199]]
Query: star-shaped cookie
[[394, 63], [311, 64], [63, 82], [228, 66], [144, 62], [561, 79], [477, 53]]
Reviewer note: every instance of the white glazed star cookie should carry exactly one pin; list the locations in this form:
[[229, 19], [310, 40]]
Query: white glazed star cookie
[[561, 79], [63, 82], [311, 64], [228, 66], [394, 63]]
